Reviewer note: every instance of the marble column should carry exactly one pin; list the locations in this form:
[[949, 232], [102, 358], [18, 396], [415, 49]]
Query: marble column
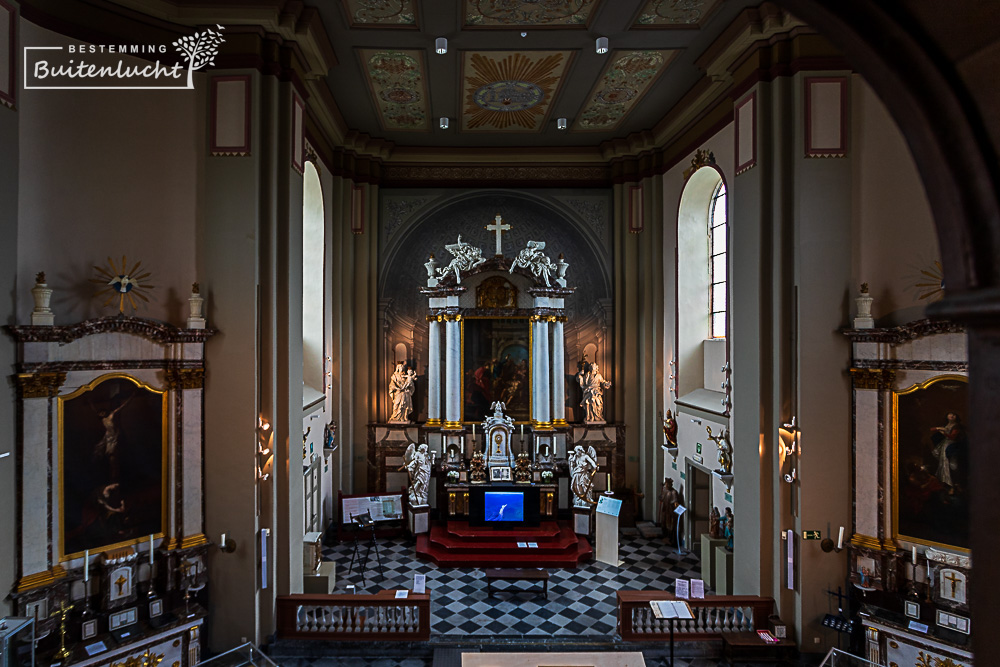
[[453, 372], [541, 390], [558, 374], [434, 373]]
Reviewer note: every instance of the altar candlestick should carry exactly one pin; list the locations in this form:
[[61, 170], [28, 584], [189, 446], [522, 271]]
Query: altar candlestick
[[86, 566], [609, 481], [150, 549], [473, 432], [522, 432], [840, 539], [914, 555], [223, 540]]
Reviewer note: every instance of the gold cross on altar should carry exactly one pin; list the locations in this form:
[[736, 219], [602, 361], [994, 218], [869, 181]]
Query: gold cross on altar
[[954, 582], [120, 583], [499, 227]]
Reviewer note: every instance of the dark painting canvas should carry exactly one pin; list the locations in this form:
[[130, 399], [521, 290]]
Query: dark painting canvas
[[931, 468], [112, 450], [496, 367]]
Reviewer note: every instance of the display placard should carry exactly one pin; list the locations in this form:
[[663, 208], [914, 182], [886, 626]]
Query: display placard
[[380, 508], [608, 505]]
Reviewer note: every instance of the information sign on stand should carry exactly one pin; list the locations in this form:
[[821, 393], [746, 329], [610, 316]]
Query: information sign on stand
[[606, 530]]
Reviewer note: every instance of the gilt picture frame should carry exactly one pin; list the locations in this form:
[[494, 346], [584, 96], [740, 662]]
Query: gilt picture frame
[[113, 468], [930, 463], [496, 366]]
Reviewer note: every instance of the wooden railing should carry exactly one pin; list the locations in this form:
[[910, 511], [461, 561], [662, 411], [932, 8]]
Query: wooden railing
[[378, 617], [713, 615]]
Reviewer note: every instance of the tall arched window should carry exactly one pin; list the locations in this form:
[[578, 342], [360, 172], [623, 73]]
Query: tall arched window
[[312, 284], [718, 235]]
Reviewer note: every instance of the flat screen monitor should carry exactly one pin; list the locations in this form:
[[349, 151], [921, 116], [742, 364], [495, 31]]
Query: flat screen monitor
[[504, 507]]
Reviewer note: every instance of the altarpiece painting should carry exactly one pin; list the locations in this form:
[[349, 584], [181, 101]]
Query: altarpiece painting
[[930, 462], [496, 366], [113, 448]]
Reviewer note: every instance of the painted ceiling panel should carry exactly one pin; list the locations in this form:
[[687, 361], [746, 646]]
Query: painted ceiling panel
[[677, 13], [398, 85], [381, 13], [510, 90], [528, 13], [625, 80]]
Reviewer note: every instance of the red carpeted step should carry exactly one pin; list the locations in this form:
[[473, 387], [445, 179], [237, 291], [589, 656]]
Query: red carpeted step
[[501, 541], [565, 550], [462, 529]]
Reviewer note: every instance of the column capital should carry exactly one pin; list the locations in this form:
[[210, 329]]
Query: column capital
[[185, 378], [40, 385]]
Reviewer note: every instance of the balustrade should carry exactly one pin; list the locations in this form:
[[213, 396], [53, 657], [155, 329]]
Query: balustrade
[[713, 615], [377, 617]]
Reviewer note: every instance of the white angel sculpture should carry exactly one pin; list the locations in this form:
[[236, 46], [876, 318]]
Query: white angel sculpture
[[583, 465], [533, 259], [418, 465], [466, 257]]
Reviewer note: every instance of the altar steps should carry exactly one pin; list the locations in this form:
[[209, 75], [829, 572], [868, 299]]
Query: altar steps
[[456, 544]]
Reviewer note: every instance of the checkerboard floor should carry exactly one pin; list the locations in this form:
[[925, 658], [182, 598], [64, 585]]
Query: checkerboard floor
[[581, 602]]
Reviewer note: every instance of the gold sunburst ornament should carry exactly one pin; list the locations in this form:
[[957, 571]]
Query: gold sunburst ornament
[[121, 284], [934, 289]]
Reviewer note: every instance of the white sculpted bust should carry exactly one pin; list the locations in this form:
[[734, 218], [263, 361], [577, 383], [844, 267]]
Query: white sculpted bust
[[593, 385], [418, 464], [583, 465], [401, 386]]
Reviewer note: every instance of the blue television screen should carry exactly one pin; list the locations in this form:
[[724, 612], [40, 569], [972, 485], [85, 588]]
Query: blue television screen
[[503, 506]]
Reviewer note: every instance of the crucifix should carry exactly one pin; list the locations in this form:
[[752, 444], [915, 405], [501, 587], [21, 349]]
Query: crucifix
[[499, 226], [954, 582], [120, 583]]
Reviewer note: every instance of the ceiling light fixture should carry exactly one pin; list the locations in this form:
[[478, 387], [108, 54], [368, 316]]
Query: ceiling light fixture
[[524, 34], [602, 45], [561, 123], [443, 122], [441, 45]]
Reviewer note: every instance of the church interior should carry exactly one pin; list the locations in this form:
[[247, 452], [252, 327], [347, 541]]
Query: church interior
[[442, 333]]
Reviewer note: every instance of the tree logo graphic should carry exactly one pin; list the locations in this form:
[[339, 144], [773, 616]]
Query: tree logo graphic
[[200, 49]]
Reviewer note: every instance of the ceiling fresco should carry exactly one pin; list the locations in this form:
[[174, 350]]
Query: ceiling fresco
[[380, 13], [625, 80], [506, 91], [676, 13], [398, 88], [528, 13]]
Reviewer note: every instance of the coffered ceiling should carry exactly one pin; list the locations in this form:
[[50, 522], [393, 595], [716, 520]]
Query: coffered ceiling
[[513, 67]]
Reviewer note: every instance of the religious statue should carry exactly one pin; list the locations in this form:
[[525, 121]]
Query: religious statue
[[670, 499], [948, 441], [330, 436], [670, 430], [593, 385], [533, 259], [725, 449], [477, 468], [522, 468], [466, 258], [401, 386], [727, 530], [715, 524], [417, 463], [583, 465]]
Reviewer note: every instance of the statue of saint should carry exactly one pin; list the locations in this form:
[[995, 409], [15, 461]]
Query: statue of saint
[[670, 430], [401, 386], [727, 531], [670, 498], [715, 524], [593, 385], [418, 464], [583, 465]]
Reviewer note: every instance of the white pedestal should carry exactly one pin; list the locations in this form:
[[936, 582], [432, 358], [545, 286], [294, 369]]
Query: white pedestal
[[323, 581], [723, 579], [708, 546], [419, 521], [606, 539]]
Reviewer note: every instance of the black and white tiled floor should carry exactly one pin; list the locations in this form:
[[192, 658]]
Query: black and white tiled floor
[[581, 602]]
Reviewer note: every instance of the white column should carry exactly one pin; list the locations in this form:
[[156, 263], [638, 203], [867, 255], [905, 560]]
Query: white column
[[543, 389], [453, 372], [434, 373], [538, 377], [558, 374]]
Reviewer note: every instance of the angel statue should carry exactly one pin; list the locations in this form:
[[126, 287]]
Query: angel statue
[[725, 449], [466, 257], [418, 464], [583, 465], [534, 260]]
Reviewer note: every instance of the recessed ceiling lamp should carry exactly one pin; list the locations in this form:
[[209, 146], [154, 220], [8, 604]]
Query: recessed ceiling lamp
[[443, 122], [602, 44], [524, 34], [441, 45], [561, 123]]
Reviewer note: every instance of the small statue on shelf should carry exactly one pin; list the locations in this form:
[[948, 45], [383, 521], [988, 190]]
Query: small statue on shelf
[[670, 429], [477, 469], [522, 468], [715, 524], [727, 530], [725, 449]]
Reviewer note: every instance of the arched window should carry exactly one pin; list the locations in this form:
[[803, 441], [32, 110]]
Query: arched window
[[313, 244], [718, 235]]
